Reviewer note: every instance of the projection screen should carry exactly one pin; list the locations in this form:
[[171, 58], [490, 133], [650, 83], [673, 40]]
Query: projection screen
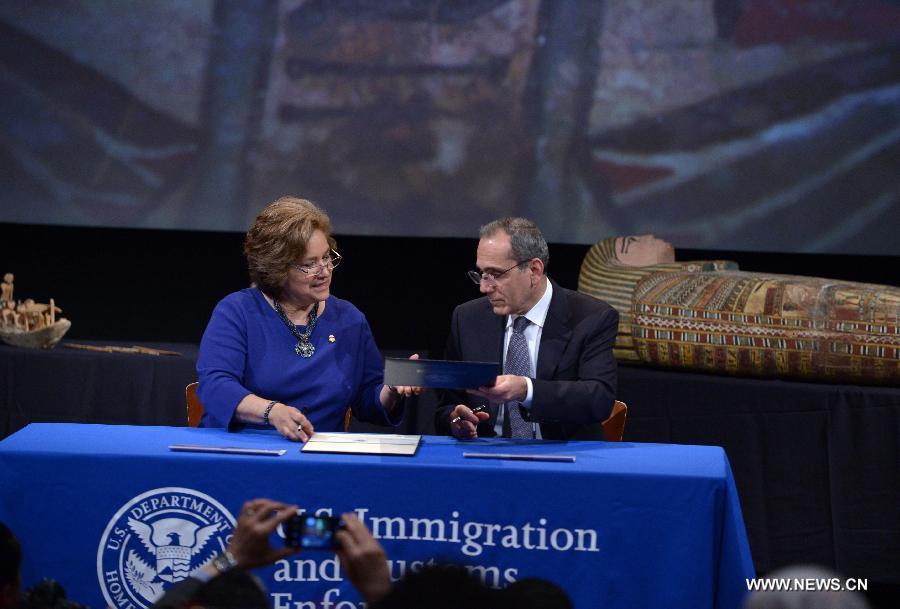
[[766, 125]]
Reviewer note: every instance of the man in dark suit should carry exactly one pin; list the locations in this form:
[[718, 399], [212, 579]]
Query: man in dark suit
[[559, 378]]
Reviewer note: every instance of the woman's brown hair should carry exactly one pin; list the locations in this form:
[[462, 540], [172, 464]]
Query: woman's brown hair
[[278, 239]]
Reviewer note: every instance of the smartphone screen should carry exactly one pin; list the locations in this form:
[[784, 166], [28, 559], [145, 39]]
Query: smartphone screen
[[309, 532]]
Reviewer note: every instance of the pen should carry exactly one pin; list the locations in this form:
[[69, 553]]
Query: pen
[[478, 408], [303, 410]]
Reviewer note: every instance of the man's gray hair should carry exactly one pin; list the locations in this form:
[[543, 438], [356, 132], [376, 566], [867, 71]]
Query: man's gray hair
[[525, 237]]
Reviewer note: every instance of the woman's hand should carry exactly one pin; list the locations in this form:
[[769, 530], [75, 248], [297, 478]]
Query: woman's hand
[[392, 394], [290, 422]]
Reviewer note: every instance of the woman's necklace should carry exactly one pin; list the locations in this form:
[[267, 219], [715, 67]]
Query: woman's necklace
[[304, 348]]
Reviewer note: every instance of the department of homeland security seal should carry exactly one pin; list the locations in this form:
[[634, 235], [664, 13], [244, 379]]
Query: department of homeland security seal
[[156, 540]]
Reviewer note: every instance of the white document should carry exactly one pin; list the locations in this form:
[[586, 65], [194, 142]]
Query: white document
[[362, 443]]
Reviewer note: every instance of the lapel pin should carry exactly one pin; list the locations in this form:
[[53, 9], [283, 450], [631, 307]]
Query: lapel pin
[[331, 338]]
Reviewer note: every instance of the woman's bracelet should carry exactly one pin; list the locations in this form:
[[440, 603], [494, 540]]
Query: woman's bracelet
[[267, 411]]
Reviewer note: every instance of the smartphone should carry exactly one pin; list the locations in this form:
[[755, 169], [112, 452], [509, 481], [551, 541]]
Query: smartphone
[[309, 532]]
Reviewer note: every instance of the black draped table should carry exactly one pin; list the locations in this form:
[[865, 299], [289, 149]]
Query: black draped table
[[79, 386], [66, 385], [817, 466]]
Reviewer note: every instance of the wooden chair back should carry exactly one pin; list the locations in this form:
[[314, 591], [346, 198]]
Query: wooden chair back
[[195, 409], [347, 416], [614, 426]]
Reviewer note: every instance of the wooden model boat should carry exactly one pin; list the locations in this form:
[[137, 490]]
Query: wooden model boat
[[28, 323]]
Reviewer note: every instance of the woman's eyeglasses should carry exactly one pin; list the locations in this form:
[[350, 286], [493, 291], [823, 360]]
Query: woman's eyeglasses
[[330, 262]]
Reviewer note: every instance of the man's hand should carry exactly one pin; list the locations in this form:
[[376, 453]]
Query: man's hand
[[507, 388], [363, 559], [258, 520], [464, 422]]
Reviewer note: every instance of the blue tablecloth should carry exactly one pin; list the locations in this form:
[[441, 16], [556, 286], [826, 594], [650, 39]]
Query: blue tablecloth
[[115, 516]]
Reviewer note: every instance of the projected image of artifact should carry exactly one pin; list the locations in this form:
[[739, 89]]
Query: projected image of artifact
[[709, 316], [762, 125]]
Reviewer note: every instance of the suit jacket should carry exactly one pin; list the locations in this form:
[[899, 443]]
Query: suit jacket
[[576, 373]]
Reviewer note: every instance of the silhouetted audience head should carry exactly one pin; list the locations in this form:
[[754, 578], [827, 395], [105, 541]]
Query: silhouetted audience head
[[236, 589], [535, 593], [454, 587], [48, 594], [806, 599], [440, 587], [10, 568]]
